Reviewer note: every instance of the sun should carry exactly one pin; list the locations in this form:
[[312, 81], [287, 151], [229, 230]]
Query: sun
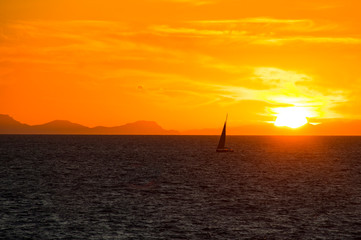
[[292, 117]]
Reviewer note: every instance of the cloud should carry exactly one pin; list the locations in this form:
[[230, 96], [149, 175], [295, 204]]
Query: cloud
[[267, 25], [277, 77], [308, 39], [255, 20], [261, 30], [285, 90], [66, 43], [185, 31]]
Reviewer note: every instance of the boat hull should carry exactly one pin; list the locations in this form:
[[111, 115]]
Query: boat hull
[[224, 150]]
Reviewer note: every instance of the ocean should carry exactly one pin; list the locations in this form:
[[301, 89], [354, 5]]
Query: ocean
[[178, 187]]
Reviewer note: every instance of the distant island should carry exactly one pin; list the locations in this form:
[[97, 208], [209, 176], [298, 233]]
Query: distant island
[[8, 125]]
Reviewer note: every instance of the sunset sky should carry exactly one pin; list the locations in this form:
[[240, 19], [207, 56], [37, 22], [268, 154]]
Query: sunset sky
[[182, 63]]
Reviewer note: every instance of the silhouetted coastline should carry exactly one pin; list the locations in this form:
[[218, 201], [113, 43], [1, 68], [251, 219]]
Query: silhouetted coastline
[[10, 126]]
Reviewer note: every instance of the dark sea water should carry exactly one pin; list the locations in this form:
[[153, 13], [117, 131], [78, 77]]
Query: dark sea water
[[178, 187]]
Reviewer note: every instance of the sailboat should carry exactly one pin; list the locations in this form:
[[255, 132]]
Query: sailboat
[[222, 141]]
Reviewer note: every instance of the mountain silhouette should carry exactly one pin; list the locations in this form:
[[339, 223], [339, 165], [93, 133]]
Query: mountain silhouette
[[8, 125], [60, 127], [139, 127]]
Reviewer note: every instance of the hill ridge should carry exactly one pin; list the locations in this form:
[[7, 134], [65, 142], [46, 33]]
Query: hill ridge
[[9, 125]]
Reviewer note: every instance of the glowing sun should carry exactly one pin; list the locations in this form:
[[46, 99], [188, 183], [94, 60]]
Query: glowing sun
[[292, 117]]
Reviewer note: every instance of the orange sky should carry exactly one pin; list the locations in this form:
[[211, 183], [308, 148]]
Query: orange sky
[[181, 63]]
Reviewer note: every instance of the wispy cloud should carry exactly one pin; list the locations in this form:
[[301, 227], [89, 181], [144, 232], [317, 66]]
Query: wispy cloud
[[308, 39], [262, 30], [194, 32], [254, 20], [266, 24], [286, 90]]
